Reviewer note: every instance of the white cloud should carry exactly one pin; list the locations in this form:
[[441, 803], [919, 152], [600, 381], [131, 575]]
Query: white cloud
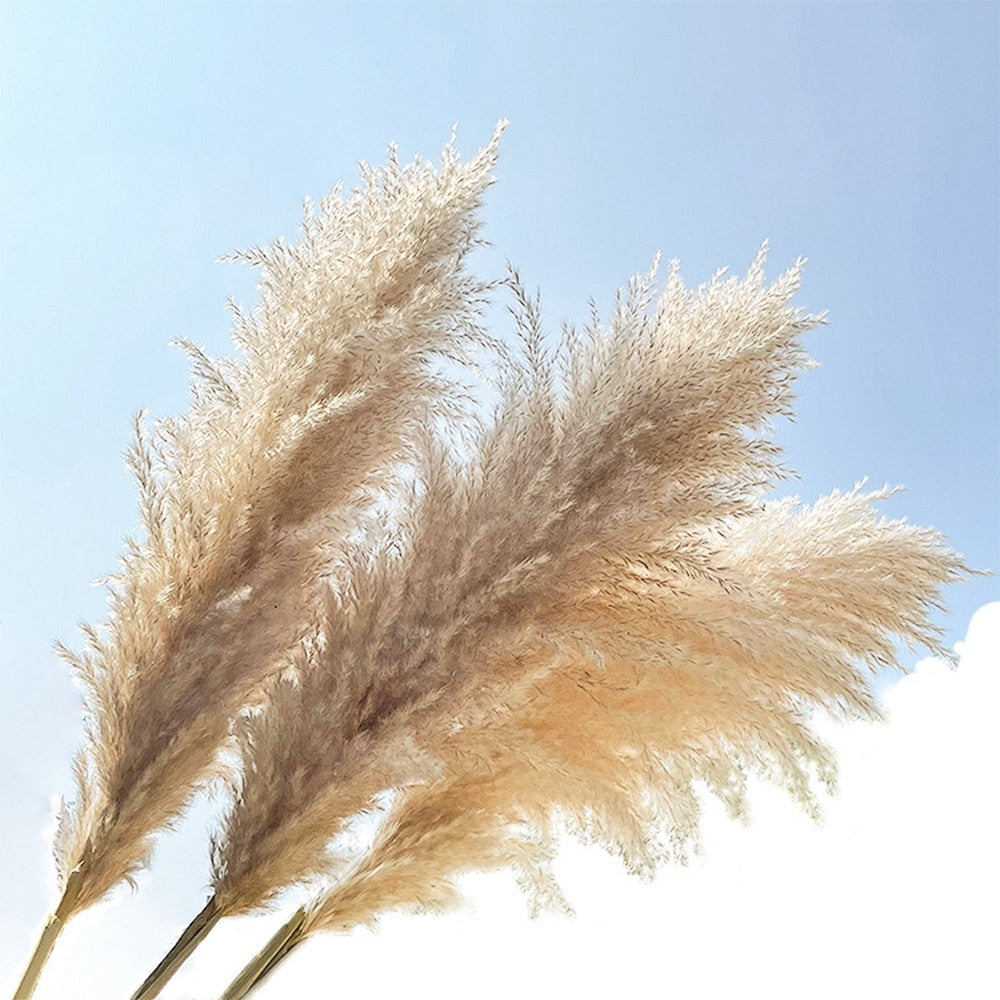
[[892, 896]]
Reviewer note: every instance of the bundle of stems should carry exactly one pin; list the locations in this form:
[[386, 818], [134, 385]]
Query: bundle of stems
[[246, 500], [574, 622]]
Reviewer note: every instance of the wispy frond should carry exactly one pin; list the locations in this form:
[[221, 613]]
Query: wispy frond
[[594, 615], [244, 497]]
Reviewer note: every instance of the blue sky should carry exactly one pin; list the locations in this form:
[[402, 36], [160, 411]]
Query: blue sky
[[140, 141]]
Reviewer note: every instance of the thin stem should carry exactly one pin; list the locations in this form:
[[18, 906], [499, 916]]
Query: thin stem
[[50, 932], [193, 935], [287, 937], [39, 956], [286, 949]]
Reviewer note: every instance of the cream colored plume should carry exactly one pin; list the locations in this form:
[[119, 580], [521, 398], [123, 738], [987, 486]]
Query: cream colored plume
[[569, 477], [246, 499], [612, 738], [579, 624], [480, 631]]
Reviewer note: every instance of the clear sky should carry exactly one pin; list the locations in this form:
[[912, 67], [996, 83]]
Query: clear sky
[[140, 141]]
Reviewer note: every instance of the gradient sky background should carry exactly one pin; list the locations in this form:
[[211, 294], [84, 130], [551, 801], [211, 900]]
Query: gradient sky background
[[140, 141]]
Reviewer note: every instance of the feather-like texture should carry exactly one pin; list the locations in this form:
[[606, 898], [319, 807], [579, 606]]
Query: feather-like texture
[[246, 499], [685, 688], [582, 620]]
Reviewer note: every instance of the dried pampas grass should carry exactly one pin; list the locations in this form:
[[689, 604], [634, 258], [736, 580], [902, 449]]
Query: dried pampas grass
[[592, 614], [651, 625], [480, 632], [245, 499]]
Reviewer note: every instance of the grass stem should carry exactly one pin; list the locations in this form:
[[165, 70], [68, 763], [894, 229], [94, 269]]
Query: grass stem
[[50, 933], [193, 935], [287, 937], [46, 941]]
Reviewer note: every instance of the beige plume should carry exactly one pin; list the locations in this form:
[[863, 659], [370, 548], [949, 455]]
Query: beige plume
[[244, 499], [594, 614]]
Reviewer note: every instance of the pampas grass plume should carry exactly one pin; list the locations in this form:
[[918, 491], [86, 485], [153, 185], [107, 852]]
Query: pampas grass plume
[[244, 498], [479, 632], [593, 615]]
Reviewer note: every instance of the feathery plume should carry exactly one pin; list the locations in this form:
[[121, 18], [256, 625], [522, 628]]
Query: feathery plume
[[244, 499], [611, 739], [593, 614], [563, 482]]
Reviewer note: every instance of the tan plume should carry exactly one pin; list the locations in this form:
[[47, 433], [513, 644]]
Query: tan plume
[[244, 498], [623, 616]]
